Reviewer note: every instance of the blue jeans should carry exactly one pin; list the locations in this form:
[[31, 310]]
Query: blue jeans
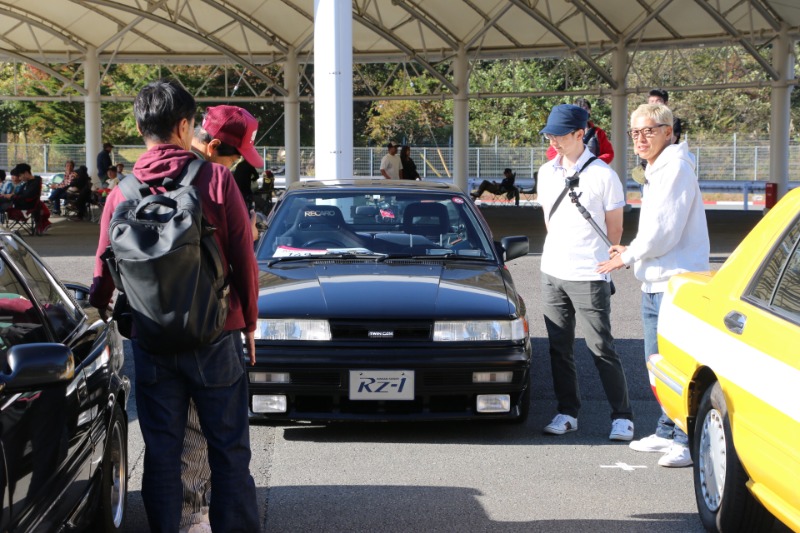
[[651, 304], [56, 195], [589, 302], [214, 377]]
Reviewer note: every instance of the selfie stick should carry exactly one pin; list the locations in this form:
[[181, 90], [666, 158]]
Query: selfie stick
[[588, 216]]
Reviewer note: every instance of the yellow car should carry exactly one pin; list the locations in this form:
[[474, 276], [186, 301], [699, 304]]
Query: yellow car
[[728, 373]]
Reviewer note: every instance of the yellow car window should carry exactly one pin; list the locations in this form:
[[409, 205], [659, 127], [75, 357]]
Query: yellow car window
[[767, 279]]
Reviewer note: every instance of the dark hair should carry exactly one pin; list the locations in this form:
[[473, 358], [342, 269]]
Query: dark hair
[[677, 128], [580, 102], [508, 171], [20, 169], [223, 149], [661, 93], [404, 149], [106, 146], [2, 175], [82, 172], [160, 106]]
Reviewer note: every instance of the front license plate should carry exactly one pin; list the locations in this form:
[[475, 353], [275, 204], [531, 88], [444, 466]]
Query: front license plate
[[381, 384]]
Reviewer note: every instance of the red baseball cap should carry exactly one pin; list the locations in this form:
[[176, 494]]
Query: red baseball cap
[[234, 126]]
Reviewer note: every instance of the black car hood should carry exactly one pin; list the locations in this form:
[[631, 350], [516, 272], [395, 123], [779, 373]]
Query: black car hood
[[344, 289]]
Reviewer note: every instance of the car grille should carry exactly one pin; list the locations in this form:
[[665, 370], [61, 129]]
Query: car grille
[[379, 331]]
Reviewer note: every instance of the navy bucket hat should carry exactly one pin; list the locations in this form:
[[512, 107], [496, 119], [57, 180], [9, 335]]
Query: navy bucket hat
[[565, 118]]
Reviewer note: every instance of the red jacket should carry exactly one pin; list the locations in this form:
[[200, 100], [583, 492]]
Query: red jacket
[[605, 151], [223, 207]]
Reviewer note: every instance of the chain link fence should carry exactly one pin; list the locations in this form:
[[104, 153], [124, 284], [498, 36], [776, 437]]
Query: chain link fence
[[716, 159]]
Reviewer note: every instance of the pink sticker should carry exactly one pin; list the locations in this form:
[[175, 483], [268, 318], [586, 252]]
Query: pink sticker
[[458, 200]]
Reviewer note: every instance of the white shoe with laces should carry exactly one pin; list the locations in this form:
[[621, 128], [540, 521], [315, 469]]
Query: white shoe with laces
[[678, 456], [621, 429], [561, 424], [653, 443]]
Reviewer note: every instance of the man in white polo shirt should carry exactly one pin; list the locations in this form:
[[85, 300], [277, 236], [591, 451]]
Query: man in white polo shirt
[[391, 164], [571, 287]]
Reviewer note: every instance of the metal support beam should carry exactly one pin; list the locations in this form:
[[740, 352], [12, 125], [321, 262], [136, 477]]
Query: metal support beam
[[746, 44], [561, 36], [619, 113], [783, 62], [333, 77], [461, 119], [291, 116], [94, 134]]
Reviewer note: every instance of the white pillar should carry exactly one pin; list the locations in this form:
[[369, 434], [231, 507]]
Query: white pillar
[[619, 114], [461, 119], [291, 117], [333, 89], [783, 62], [91, 104]]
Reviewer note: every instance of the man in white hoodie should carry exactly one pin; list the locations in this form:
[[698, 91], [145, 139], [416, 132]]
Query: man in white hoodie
[[672, 238]]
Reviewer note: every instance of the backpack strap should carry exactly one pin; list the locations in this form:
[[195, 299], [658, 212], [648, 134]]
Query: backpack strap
[[570, 183], [134, 188]]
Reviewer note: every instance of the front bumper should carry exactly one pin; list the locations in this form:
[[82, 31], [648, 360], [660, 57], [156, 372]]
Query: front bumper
[[443, 382]]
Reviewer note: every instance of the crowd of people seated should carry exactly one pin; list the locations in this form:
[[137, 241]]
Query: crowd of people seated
[[21, 204]]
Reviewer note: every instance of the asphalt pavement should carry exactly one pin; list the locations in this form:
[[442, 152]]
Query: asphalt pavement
[[461, 476]]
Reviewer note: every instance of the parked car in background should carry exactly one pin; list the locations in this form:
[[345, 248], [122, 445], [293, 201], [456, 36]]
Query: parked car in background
[[728, 373], [387, 300], [63, 423]]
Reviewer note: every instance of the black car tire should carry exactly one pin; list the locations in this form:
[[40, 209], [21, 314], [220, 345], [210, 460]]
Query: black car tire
[[114, 483], [723, 500]]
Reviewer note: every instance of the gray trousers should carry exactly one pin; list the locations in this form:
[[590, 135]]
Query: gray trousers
[[195, 471], [590, 302]]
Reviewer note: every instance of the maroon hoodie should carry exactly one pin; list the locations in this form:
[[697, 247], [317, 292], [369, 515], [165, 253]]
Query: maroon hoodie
[[223, 207]]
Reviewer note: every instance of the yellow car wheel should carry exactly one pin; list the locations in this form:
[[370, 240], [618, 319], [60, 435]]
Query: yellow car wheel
[[723, 500]]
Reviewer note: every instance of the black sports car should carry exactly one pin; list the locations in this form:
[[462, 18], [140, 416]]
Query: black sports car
[[387, 300], [63, 424]]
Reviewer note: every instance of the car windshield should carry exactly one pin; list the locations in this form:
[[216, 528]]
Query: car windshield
[[396, 224]]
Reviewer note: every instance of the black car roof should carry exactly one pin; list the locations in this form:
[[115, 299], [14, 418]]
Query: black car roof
[[383, 185]]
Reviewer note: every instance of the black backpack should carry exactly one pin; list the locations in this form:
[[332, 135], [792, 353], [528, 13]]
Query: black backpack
[[164, 257]]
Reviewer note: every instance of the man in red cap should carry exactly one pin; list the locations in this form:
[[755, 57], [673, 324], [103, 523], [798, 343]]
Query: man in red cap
[[224, 137], [227, 127]]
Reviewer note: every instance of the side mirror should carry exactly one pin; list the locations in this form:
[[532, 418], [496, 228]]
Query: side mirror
[[34, 366], [80, 292], [514, 246]]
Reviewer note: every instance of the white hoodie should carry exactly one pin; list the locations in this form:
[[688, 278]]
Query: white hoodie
[[673, 234]]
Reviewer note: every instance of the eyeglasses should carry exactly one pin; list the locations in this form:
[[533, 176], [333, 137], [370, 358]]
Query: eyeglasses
[[647, 132], [551, 137]]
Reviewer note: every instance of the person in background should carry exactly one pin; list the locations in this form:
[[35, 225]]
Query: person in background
[[571, 289], [391, 165], [595, 137], [28, 197], [504, 187], [104, 161], [658, 96], [120, 171], [409, 170], [58, 191], [672, 238], [6, 190]]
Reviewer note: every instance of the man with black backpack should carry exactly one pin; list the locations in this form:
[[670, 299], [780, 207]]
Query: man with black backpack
[[200, 354]]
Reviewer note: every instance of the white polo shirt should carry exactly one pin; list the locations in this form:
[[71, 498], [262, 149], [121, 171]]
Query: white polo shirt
[[572, 248], [392, 165]]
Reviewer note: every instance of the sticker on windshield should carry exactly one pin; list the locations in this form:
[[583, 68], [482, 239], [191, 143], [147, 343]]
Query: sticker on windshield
[[458, 200], [288, 251]]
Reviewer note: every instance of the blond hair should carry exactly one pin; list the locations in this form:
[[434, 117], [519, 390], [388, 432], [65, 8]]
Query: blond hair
[[658, 112]]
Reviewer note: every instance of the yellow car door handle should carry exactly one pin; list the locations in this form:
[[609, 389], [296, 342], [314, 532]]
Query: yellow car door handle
[[735, 322]]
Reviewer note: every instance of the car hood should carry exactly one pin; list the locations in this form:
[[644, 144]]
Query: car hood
[[435, 289]]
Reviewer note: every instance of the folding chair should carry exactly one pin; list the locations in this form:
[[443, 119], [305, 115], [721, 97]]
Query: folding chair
[[17, 220]]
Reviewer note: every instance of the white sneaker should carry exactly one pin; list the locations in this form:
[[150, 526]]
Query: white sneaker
[[621, 429], [653, 443], [677, 456], [561, 424]]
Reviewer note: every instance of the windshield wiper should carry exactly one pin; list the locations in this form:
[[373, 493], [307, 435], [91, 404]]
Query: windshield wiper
[[318, 257]]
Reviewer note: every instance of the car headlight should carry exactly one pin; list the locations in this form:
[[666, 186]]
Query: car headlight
[[480, 330], [285, 329]]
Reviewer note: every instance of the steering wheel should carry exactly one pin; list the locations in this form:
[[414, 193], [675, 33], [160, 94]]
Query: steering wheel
[[327, 242]]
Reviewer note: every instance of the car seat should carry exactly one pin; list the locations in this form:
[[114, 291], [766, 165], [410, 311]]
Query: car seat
[[322, 226], [427, 218]]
